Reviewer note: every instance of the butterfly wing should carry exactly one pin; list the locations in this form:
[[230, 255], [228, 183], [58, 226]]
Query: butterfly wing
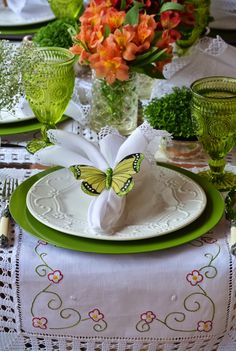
[[94, 180], [122, 180]]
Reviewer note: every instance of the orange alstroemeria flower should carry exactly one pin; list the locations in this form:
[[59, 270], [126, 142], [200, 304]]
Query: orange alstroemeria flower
[[107, 3], [108, 62], [170, 19], [93, 14], [93, 37], [123, 39], [114, 18], [83, 54], [188, 17], [146, 28], [168, 37], [89, 40]]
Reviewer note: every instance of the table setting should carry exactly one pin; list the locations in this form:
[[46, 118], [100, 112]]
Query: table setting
[[23, 17], [105, 243]]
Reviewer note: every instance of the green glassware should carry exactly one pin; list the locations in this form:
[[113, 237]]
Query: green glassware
[[214, 117], [66, 8], [49, 89]]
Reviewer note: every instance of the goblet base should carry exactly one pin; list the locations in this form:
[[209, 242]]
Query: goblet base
[[36, 145], [224, 183]]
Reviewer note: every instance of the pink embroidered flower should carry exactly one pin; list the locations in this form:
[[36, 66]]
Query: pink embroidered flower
[[208, 240], [56, 276], [96, 315], [204, 326], [194, 278], [40, 322], [148, 316], [42, 242]]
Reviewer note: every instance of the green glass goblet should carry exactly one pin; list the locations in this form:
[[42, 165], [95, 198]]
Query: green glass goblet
[[66, 8], [213, 109], [48, 88]]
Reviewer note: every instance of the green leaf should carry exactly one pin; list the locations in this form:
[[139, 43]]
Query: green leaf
[[107, 30], [146, 54], [171, 6], [152, 58], [122, 4], [81, 43], [132, 16]]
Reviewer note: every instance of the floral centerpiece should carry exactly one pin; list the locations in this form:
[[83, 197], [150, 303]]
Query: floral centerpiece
[[117, 38]]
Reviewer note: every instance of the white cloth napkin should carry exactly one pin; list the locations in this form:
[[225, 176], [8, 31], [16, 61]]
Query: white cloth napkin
[[211, 57], [18, 5], [69, 149], [224, 14]]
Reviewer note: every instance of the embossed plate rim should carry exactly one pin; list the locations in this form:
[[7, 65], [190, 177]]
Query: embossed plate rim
[[38, 204], [208, 220], [70, 111]]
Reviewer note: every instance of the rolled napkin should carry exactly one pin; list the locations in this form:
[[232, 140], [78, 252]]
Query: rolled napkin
[[91, 164]]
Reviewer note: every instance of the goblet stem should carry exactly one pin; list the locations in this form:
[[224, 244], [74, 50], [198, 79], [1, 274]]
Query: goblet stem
[[221, 179], [217, 169], [37, 144], [44, 129]]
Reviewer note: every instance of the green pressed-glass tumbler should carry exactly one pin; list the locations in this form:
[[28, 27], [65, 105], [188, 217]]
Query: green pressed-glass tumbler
[[66, 8], [48, 88], [214, 117]]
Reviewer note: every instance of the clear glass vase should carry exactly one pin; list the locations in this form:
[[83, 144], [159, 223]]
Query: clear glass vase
[[114, 105]]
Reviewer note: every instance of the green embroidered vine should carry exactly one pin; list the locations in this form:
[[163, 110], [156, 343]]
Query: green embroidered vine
[[43, 266], [180, 317], [194, 278], [55, 302]]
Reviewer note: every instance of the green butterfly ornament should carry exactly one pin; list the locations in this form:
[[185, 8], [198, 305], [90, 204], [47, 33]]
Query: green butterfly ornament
[[119, 179]]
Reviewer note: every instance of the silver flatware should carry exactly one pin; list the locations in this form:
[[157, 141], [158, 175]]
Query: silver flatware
[[230, 211], [9, 186]]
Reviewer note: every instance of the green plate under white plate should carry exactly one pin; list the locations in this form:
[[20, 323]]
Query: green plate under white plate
[[22, 127], [210, 217]]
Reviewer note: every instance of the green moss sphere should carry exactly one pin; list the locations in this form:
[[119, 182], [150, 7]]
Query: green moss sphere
[[172, 113], [55, 34]]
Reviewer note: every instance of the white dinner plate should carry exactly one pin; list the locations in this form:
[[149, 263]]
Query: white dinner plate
[[172, 202], [31, 14], [24, 113]]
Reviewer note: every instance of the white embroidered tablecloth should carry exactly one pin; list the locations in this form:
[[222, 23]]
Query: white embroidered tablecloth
[[183, 298]]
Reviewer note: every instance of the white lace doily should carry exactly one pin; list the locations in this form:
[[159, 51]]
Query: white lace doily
[[211, 56]]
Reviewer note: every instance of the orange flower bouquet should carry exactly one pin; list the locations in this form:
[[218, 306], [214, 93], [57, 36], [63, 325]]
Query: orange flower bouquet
[[117, 38]]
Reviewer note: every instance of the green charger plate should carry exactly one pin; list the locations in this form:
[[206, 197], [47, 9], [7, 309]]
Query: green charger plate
[[22, 127], [23, 30], [210, 217]]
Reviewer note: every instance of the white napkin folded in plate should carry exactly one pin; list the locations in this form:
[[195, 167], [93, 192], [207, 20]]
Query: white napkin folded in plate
[[18, 5], [70, 149]]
